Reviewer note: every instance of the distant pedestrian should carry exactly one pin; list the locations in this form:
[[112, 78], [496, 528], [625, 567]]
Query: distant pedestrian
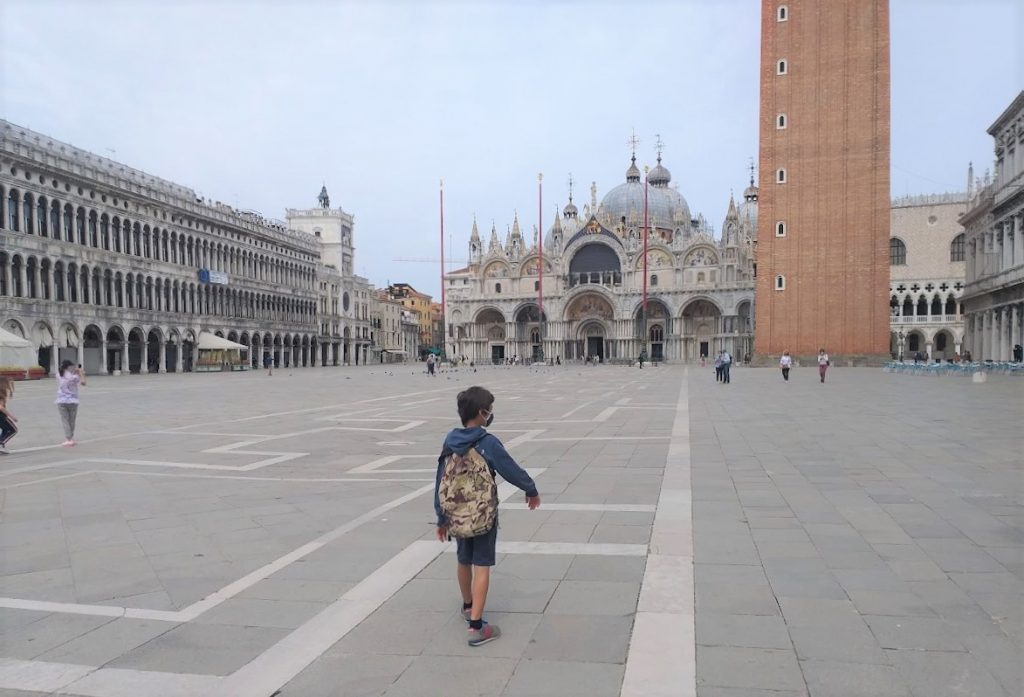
[[1018, 353], [642, 358], [718, 367], [823, 363], [8, 429], [268, 363], [430, 365], [726, 365], [69, 379], [786, 362]]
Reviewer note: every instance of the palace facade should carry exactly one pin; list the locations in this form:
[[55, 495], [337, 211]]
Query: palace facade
[[119, 270], [994, 225], [700, 289]]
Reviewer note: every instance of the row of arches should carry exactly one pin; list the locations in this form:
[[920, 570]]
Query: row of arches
[[588, 326], [48, 279], [941, 344], [922, 306], [132, 349], [49, 217]]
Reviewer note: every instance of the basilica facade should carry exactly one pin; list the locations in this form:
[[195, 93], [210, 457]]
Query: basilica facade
[[587, 301]]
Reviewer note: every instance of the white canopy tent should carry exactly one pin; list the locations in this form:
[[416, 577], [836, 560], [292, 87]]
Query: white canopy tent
[[16, 352], [217, 353], [208, 341]]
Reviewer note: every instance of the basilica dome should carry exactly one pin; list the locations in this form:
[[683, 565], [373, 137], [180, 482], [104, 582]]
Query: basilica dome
[[666, 207]]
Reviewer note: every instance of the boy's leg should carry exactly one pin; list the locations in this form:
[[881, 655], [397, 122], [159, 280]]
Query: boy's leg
[[465, 574], [481, 584]]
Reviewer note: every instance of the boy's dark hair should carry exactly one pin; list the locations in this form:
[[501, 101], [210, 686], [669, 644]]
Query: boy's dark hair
[[472, 401]]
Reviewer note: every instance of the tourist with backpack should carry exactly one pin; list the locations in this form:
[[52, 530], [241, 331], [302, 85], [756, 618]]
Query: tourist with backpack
[[466, 502]]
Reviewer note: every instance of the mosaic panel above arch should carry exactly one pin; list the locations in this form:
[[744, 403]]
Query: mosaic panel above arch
[[590, 305], [656, 259], [701, 257], [496, 269]]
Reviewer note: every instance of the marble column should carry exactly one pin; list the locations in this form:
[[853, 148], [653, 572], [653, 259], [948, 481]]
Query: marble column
[[163, 358], [993, 337], [144, 366], [103, 357], [1015, 332]]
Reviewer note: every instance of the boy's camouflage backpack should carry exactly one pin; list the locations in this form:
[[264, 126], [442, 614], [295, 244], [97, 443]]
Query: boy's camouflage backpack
[[468, 494]]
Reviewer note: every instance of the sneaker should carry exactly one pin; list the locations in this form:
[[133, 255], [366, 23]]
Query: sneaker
[[68, 443], [479, 637], [465, 613]]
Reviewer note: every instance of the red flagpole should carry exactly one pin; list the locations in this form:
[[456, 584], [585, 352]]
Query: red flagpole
[[444, 318], [645, 247], [540, 250]]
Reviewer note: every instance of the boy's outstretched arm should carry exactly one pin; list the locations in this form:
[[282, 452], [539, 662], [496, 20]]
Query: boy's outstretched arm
[[509, 469]]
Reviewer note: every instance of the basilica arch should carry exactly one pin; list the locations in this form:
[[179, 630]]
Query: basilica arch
[[701, 329], [489, 336], [589, 321]]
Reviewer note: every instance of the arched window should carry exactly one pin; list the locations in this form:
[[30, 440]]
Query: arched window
[[780, 176], [781, 67], [780, 121], [780, 228], [12, 210], [657, 333], [956, 248], [654, 279], [780, 282], [69, 229], [897, 252], [26, 216], [497, 287], [93, 238], [41, 210], [783, 13], [535, 336]]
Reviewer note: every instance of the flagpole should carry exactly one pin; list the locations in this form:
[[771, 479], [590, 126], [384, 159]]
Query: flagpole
[[540, 259], [646, 235], [444, 317]]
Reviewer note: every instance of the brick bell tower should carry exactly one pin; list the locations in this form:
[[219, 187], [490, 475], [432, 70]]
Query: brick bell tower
[[823, 219]]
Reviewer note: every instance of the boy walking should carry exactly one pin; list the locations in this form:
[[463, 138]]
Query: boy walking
[[466, 502]]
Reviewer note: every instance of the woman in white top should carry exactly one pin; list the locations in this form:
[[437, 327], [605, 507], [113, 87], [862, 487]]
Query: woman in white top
[[786, 362], [822, 363], [69, 379]]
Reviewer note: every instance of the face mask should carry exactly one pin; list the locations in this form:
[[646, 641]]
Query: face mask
[[490, 418]]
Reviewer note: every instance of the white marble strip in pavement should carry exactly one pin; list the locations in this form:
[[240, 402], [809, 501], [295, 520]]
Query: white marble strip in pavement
[[229, 591], [588, 438], [609, 507], [46, 479], [608, 549], [262, 676], [662, 659]]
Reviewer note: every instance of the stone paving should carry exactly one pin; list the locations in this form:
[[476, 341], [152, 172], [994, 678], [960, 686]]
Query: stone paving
[[248, 534]]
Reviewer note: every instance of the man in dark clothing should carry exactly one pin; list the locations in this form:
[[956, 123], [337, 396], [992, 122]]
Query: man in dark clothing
[[476, 554]]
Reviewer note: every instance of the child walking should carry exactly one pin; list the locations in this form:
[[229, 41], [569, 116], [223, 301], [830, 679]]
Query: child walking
[[8, 429], [786, 362], [823, 364], [466, 502], [69, 379]]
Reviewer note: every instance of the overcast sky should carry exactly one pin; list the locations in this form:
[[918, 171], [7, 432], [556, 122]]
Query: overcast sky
[[258, 103]]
